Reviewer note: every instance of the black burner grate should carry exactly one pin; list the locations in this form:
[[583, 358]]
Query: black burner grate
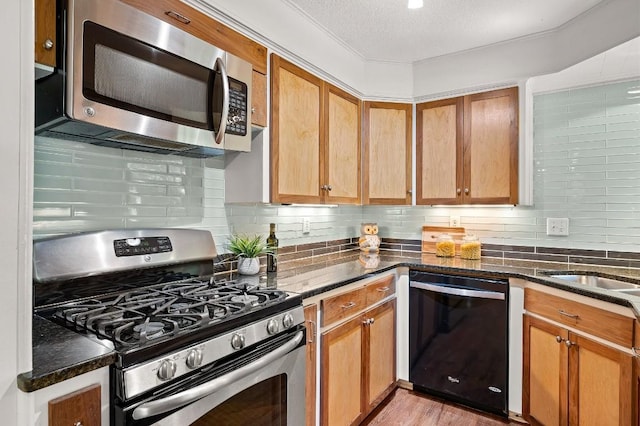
[[143, 315]]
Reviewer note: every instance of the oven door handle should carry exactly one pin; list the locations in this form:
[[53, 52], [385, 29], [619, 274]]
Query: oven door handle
[[458, 291], [181, 399]]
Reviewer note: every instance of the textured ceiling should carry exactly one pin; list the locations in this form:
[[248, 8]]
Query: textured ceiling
[[385, 30]]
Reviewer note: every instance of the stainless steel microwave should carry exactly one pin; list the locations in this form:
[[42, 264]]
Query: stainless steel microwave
[[131, 80]]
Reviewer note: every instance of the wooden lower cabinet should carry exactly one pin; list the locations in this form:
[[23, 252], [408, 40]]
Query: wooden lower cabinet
[[572, 380], [310, 318], [77, 408], [358, 365]]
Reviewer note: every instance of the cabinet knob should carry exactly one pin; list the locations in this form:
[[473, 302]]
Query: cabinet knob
[[558, 339], [466, 190], [329, 188], [372, 320], [48, 44], [323, 187], [253, 110], [410, 191], [569, 343], [78, 423], [458, 191]]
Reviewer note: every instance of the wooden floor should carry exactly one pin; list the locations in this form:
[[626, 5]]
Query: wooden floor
[[408, 408]]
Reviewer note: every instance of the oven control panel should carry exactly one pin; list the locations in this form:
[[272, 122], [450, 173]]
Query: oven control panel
[[141, 245], [143, 377]]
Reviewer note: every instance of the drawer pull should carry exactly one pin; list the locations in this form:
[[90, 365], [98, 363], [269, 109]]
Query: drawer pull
[[178, 17], [569, 315], [348, 305], [383, 289]]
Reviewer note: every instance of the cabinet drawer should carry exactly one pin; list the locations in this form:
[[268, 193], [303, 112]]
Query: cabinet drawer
[[598, 322], [343, 305], [380, 289]]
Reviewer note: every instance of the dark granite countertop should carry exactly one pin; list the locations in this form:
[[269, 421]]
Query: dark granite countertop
[[59, 354]]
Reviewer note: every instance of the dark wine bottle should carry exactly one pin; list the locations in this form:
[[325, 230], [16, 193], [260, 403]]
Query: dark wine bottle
[[272, 242]]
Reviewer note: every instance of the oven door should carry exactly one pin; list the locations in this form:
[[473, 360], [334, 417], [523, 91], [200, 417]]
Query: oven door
[[265, 386], [130, 71]]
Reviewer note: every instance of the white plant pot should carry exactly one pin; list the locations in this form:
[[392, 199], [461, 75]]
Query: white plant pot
[[248, 265]]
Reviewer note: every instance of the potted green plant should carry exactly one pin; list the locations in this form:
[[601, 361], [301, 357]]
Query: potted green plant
[[247, 249]]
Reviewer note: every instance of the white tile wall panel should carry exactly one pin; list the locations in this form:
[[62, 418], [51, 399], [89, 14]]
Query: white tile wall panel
[[587, 168]]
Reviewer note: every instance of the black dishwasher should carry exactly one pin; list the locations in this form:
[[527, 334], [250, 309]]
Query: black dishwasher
[[458, 339]]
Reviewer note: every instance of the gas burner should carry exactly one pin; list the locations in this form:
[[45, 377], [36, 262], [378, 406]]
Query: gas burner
[[178, 308], [148, 330], [247, 299]]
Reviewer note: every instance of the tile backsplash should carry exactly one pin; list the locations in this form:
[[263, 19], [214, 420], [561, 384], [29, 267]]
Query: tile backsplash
[[586, 168]]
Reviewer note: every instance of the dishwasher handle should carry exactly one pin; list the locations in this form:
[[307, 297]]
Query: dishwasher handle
[[457, 291]]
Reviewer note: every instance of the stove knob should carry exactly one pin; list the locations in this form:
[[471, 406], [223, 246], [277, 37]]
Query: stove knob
[[194, 358], [287, 321], [272, 326], [237, 341], [167, 369]]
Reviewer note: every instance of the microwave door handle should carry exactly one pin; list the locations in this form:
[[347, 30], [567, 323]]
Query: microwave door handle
[[225, 100], [163, 405], [458, 291]]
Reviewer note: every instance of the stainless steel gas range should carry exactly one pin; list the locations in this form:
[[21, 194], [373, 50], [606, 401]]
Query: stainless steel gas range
[[191, 348]]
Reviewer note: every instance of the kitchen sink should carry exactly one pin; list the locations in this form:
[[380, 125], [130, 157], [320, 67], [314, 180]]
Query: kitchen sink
[[600, 282]]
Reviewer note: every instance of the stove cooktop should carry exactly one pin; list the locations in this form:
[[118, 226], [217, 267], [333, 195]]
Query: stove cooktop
[[169, 315]]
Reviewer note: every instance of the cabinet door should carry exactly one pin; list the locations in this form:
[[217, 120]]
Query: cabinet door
[[310, 318], [296, 134], [600, 384], [259, 99], [491, 147], [545, 380], [387, 153], [342, 154], [45, 32], [77, 408], [340, 384], [439, 152], [380, 353]]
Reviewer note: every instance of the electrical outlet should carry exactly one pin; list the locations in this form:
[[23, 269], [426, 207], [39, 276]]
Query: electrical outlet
[[558, 226], [306, 225], [454, 221]]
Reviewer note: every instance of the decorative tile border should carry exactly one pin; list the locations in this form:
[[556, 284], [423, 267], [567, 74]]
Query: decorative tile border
[[301, 258]]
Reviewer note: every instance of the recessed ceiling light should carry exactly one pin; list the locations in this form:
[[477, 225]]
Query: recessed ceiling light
[[415, 4]]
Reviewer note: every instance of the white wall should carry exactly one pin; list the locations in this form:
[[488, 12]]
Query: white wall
[[288, 32], [16, 111]]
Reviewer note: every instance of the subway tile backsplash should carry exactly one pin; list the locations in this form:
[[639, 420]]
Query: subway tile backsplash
[[586, 168]]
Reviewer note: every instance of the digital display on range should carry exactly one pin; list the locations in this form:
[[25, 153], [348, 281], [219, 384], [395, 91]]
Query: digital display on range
[[141, 245]]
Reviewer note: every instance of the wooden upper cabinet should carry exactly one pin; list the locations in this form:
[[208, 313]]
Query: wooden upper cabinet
[[342, 153], [259, 99], [387, 153], [45, 32], [297, 134], [315, 139], [467, 149], [491, 147], [439, 151], [190, 20]]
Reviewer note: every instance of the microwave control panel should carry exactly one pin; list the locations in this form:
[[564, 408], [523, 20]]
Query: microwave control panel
[[238, 108]]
